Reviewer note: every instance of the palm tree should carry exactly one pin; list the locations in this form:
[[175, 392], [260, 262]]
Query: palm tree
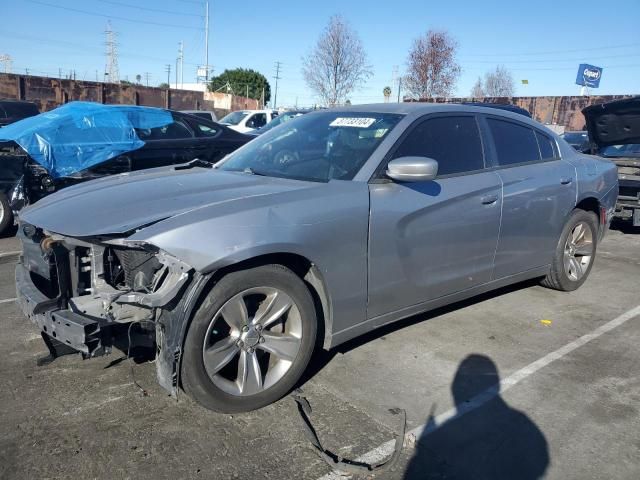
[[387, 93]]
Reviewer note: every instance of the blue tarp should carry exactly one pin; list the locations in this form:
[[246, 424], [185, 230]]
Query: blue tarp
[[79, 135]]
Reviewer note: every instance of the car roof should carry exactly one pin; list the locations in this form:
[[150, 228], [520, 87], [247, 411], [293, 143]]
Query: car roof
[[423, 108]]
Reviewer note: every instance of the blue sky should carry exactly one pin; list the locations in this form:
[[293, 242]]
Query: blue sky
[[541, 41]]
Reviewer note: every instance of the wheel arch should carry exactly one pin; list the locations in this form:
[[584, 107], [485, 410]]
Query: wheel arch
[[301, 266]]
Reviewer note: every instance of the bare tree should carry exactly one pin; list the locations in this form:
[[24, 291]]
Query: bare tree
[[499, 83], [338, 63], [432, 68], [477, 91]]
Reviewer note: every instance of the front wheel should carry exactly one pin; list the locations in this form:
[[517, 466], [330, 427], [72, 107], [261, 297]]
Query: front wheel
[[6, 214], [250, 340], [575, 252]]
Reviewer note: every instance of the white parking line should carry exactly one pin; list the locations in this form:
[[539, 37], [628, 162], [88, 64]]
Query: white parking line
[[386, 449], [7, 300]]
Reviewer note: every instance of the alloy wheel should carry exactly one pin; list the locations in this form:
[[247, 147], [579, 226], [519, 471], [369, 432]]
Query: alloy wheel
[[252, 341], [578, 251]]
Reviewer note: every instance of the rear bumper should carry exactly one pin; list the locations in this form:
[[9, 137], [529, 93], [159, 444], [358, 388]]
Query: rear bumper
[[79, 332]]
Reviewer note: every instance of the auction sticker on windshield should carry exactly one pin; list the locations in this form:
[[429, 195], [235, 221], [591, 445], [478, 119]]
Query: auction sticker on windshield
[[358, 122]]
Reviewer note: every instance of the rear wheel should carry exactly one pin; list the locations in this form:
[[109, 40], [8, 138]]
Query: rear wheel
[[575, 252], [250, 340]]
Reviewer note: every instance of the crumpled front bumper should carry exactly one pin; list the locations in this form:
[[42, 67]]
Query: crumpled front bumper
[[62, 326]]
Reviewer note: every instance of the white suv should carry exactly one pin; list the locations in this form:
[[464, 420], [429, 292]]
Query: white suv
[[244, 121]]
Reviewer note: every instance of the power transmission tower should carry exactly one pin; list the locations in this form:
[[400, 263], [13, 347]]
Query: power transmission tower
[[276, 77], [147, 76], [112, 70], [7, 62], [181, 63], [167, 69]]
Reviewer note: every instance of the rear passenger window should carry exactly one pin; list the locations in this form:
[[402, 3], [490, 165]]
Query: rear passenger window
[[546, 146], [454, 142], [514, 143]]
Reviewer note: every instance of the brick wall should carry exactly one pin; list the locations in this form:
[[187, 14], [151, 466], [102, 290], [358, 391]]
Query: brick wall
[[49, 93]]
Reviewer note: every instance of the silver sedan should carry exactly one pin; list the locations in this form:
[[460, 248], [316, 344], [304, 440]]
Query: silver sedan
[[322, 229]]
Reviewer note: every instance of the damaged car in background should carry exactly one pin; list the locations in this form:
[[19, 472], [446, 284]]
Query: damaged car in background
[[81, 141], [240, 271], [614, 130]]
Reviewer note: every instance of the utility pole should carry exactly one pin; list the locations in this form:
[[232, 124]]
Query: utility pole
[[206, 40], [276, 77], [168, 70], [147, 75], [181, 59], [399, 87], [112, 55]]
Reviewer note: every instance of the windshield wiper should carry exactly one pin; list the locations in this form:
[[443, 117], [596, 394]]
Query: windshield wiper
[[196, 162]]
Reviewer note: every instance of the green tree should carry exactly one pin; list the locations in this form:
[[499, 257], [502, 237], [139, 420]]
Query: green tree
[[164, 85], [240, 80]]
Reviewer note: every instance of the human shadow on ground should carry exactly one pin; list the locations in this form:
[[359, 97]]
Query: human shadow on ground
[[485, 439]]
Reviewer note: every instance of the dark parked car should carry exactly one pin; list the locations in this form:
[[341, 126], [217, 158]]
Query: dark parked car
[[240, 271], [578, 139], [14, 110], [86, 141], [614, 129]]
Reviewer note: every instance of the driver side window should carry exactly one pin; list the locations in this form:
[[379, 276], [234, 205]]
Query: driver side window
[[453, 141], [258, 120]]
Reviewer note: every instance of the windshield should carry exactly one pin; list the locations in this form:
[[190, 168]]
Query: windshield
[[234, 118], [318, 147], [628, 150]]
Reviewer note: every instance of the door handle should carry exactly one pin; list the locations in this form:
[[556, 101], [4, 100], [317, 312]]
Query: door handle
[[489, 199], [565, 181]]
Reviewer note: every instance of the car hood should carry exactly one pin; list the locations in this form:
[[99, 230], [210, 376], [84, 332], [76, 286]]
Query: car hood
[[614, 123], [120, 204]]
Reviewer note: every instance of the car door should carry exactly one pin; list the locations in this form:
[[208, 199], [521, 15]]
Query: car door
[[256, 120], [167, 145], [539, 191], [429, 239], [214, 141]]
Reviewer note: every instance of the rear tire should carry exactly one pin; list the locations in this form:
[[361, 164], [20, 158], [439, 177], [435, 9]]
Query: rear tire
[[6, 214], [250, 340], [575, 252]]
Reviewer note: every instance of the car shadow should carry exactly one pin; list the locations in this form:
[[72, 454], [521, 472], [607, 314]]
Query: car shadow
[[484, 439], [322, 357]]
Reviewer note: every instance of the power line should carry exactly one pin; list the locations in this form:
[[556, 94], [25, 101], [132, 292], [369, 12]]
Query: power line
[[29, 38], [552, 52], [506, 62], [124, 19], [148, 9]]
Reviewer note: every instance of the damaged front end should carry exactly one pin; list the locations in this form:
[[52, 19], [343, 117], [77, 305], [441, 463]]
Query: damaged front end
[[84, 293]]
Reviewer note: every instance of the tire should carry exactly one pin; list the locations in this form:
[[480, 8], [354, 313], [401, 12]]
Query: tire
[[566, 274], [6, 215], [216, 334]]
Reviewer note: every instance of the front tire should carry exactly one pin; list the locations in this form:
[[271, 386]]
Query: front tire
[[575, 252], [250, 340], [6, 214]]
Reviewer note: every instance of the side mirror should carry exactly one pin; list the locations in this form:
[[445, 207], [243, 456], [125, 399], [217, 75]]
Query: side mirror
[[412, 169]]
